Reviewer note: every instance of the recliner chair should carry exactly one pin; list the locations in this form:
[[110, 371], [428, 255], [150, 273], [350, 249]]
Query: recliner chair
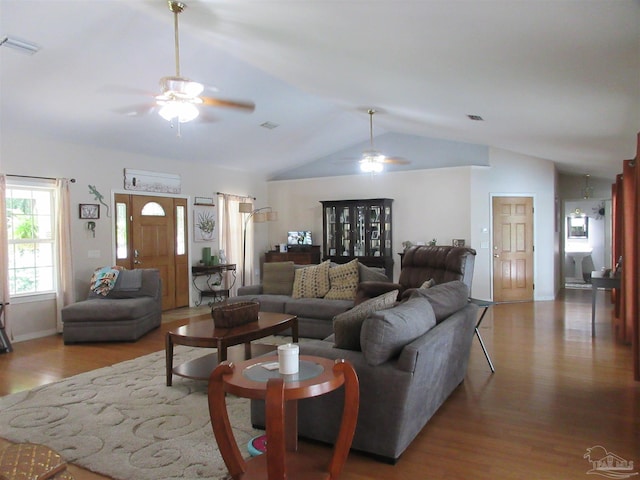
[[422, 263]]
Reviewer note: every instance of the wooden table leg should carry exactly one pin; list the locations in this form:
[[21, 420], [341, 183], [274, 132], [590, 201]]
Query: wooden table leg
[[276, 432], [349, 417], [169, 358], [220, 421]]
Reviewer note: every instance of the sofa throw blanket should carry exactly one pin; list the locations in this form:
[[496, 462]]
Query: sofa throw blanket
[[104, 279]]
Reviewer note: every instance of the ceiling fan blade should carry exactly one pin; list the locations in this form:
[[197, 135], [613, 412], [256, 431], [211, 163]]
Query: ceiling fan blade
[[218, 102], [396, 161], [136, 110]]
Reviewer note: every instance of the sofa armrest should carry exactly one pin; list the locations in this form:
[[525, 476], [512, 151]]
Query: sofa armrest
[[250, 290], [367, 290]]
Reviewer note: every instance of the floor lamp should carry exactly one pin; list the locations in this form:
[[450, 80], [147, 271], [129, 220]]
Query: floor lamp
[[259, 215]]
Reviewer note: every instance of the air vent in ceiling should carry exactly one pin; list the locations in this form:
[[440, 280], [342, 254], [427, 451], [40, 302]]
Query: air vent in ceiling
[[476, 118]]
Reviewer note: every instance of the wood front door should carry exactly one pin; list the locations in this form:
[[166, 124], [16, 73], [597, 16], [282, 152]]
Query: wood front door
[[151, 233], [512, 249]]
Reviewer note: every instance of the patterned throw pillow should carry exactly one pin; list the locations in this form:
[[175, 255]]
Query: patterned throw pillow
[[311, 282], [347, 325], [343, 281], [104, 279]]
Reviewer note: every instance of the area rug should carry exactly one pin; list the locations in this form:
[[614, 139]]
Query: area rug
[[124, 422]]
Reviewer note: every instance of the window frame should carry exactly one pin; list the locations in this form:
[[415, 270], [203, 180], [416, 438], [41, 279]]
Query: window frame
[[35, 186]]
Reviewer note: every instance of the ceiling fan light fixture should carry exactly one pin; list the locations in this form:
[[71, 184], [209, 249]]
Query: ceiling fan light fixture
[[176, 109], [180, 86]]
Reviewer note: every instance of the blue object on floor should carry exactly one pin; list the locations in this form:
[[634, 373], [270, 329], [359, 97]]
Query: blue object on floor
[[257, 445]]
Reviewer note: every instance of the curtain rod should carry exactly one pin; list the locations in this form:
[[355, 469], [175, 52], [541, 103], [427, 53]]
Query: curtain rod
[[72, 180], [234, 195]]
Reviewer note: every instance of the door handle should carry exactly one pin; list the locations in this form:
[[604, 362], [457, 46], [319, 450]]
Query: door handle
[[495, 255]]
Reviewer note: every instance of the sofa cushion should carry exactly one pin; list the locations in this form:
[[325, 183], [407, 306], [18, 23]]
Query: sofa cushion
[[446, 298], [319, 308], [268, 303], [371, 274], [103, 309], [347, 325], [386, 332], [343, 281], [277, 278], [311, 282]]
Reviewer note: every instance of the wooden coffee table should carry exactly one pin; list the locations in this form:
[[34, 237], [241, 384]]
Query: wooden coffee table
[[204, 334]]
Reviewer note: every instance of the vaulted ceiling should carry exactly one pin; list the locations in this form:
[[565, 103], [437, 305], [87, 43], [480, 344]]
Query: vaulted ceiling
[[557, 79]]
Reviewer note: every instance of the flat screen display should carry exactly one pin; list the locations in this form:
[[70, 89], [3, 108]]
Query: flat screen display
[[302, 237]]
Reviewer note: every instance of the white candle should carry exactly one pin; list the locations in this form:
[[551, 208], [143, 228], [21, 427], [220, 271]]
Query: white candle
[[288, 358]]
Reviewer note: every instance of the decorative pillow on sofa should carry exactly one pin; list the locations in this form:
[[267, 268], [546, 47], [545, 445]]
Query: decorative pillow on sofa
[[104, 279], [371, 274], [385, 333], [428, 283], [445, 298], [347, 325], [343, 281], [311, 282], [277, 278]]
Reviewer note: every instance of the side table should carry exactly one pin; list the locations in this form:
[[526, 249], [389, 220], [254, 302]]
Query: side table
[[485, 304], [283, 459], [598, 280]]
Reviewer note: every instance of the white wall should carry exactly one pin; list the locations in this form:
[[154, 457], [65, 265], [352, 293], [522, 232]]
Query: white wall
[[27, 155], [514, 174], [426, 204]]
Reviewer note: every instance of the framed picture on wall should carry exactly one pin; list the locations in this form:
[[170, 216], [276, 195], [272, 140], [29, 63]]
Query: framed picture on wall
[[458, 242], [89, 210]]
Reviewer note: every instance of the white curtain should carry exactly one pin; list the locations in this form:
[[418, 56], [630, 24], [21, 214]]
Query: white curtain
[[65, 294], [4, 257], [231, 238]]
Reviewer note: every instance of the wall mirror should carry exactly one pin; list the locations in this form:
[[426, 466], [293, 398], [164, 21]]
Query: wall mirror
[[577, 227]]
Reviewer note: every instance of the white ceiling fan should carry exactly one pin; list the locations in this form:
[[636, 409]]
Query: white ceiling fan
[[180, 96], [372, 160]]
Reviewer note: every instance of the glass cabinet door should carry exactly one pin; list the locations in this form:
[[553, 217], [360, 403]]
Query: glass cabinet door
[[375, 219], [360, 233], [331, 237], [386, 240], [345, 229]]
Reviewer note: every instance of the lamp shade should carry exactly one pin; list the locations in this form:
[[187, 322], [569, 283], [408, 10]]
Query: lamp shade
[[245, 207], [272, 216], [260, 217]]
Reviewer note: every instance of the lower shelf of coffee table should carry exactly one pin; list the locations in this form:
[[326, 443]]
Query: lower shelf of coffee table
[[201, 367]]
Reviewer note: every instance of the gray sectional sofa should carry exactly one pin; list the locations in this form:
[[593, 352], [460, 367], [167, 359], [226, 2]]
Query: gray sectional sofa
[[412, 357]]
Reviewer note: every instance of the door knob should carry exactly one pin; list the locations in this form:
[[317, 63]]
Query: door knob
[[496, 255]]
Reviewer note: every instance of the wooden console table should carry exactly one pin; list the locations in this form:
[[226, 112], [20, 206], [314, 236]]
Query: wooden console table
[[283, 459], [208, 290], [298, 254]]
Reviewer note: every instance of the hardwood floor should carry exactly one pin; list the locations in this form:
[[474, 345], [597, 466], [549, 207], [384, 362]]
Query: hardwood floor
[[555, 393]]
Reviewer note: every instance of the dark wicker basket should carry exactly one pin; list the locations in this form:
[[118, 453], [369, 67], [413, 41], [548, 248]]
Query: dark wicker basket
[[234, 315]]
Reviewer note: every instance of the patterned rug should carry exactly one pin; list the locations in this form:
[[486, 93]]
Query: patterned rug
[[124, 422]]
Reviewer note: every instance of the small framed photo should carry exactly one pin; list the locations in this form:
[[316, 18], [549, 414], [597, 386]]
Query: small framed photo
[[375, 235], [89, 210], [458, 242], [203, 201]]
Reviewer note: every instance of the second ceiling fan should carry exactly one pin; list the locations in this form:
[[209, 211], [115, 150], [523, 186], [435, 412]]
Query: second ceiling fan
[[372, 160]]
